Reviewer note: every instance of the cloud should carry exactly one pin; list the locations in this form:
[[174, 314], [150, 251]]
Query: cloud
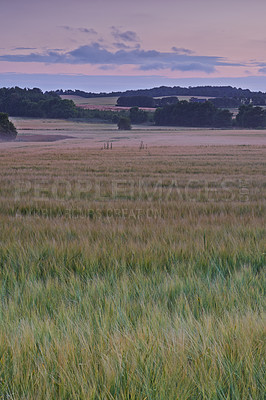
[[182, 50], [179, 67], [123, 46], [262, 70], [24, 48], [193, 67], [107, 67], [90, 31], [51, 57], [55, 49], [66, 27], [145, 60], [126, 36]]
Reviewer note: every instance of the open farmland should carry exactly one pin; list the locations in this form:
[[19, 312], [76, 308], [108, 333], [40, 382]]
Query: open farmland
[[96, 134], [99, 103], [129, 274], [95, 101], [109, 103]]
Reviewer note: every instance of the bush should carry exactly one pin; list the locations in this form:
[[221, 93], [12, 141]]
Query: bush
[[7, 128], [124, 124]]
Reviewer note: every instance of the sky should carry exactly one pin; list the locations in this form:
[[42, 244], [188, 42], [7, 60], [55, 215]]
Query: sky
[[110, 45]]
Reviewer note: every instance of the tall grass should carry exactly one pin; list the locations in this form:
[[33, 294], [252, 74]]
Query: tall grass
[[97, 303]]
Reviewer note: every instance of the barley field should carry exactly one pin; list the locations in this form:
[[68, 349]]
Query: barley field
[[132, 274]]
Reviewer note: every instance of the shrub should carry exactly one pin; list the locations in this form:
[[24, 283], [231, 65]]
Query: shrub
[[124, 124], [7, 128]]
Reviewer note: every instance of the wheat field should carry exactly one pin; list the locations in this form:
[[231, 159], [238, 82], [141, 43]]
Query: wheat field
[[129, 274]]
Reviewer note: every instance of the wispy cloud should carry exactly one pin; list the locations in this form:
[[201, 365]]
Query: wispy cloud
[[107, 67], [179, 67], [181, 50], [123, 46], [262, 70], [66, 27], [193, 67], [24, 48], [125, 36], [90, 31], [55, 49]]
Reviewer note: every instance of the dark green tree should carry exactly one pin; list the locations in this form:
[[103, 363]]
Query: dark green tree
[[137, 116], [135, 101], [124, 124], [222, 119], [192, 114], [7, 128], [251, 117]]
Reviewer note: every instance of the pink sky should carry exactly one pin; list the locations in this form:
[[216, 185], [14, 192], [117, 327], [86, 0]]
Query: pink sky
[[171, 39]]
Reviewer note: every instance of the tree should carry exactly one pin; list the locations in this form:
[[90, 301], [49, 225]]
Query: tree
[[184, 113], [226, 102], [135, 101], [166, 100], [124, 124], [251, 117], [137, 116], [7, 128], [222, 118]]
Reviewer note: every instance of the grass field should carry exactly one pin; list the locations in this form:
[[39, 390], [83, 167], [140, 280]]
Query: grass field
[[97, 101], [131, 274]]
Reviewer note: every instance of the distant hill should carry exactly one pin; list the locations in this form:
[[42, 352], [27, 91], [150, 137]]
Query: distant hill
[[258, 98]]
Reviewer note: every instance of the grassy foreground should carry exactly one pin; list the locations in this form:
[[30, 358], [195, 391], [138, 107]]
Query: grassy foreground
[[130, 274]]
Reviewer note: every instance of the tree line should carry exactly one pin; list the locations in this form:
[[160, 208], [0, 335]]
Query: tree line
[[145, 101], [35, 103], [204, 114], [258, 98], [219, 102], [185, 113], [207, 115], [20, 102]]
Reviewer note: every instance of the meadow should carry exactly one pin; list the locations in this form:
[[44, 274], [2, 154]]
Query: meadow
[[132, 274]]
